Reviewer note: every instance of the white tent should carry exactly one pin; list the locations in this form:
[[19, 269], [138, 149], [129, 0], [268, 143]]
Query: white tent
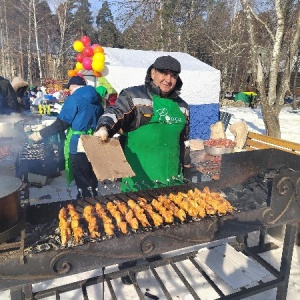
[[201, 82], [126, 67]]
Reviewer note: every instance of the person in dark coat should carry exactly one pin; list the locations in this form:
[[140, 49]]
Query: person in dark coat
[[8, 98], [79, 115]]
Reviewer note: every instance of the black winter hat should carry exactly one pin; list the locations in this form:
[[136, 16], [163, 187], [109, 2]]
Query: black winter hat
[[167, 63]]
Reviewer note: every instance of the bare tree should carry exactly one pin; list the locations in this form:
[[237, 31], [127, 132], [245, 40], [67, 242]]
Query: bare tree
[[6, 43], [29, 44], [295, 79], [62, 9], [35, 25], [272, 72]]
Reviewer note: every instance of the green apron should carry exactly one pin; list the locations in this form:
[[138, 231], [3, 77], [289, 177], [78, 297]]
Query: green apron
[[68, 165], [153, 150]]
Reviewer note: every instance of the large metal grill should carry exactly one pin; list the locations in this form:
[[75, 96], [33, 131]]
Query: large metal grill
[[262, 185]]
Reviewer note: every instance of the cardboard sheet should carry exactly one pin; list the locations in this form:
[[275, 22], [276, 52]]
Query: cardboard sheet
[[107, 158]]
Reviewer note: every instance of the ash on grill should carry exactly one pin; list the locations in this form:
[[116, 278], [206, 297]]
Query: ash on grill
[[255, 192]]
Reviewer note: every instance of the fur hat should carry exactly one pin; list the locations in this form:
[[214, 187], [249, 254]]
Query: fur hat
[[18, 82]]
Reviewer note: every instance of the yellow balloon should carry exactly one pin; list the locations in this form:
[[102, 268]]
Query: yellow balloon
[[78, 46], [79, 66], [97, 66], [99, 57]]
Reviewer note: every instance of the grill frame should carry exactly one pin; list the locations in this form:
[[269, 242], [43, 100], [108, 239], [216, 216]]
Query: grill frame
[[55, 264]]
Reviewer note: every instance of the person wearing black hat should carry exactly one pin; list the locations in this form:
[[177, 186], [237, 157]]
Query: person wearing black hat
[[155, 125], [79, 115]]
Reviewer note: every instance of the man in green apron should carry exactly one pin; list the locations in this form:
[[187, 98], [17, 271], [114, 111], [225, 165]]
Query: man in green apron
[[154, 122]]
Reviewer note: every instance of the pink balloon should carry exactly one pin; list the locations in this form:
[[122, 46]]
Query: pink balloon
[[94, 45], [88, 51], [87, 63], [80, 57]]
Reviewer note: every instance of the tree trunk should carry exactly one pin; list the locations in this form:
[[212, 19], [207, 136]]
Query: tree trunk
[[29, 44], [294, 104], [268, 74], [37, 40], [271, 119]]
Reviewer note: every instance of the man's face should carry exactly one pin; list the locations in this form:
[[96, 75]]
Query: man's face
[[165, 80], [72, 88]]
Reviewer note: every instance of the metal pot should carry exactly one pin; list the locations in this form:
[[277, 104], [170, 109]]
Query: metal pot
[[10, 207], [216, 151]]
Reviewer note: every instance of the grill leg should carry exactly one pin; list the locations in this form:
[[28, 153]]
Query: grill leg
[[286, 259], [262, 245]]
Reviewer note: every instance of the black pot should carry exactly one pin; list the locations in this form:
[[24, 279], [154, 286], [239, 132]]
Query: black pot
[[10, 206]]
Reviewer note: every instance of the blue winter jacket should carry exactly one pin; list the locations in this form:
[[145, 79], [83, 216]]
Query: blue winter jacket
[[80, 111]]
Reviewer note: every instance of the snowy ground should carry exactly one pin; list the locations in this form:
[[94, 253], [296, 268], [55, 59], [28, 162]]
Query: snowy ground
[[56, 189]]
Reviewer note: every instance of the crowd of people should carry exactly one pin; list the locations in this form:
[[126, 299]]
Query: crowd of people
[[18, 96]]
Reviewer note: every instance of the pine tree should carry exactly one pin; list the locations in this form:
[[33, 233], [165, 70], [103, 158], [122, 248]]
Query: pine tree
[[108, 34], [83, 20]]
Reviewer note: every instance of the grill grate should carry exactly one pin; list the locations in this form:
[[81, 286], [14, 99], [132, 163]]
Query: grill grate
[[33, 152]]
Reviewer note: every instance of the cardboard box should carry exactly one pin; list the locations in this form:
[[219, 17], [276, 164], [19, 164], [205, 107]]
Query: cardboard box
[[107, 158]]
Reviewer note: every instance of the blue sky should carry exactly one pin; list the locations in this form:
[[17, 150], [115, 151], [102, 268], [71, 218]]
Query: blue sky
[[95, 5]]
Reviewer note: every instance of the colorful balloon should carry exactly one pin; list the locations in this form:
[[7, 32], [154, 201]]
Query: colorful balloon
[[78, 46], [80, 57], [86, 41], [99, 57], [88, 51], [79, 66], [87, 63], [72, 73], [97, 74], [94, 45], [98, 49], [97, 66]]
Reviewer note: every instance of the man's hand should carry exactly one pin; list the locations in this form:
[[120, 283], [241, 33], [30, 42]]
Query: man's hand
[[102, 133], [36, 136]]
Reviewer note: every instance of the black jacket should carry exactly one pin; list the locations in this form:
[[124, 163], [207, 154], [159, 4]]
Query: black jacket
[[134, 108], [8, 98]]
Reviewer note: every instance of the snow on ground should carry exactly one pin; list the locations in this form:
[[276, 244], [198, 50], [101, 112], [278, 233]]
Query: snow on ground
[[289, 121], [57, 190]]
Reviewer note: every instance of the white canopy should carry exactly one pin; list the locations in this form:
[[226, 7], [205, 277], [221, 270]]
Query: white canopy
[[126, 67]]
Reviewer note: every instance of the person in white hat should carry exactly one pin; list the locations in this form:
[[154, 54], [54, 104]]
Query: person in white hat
[[21, 86]]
